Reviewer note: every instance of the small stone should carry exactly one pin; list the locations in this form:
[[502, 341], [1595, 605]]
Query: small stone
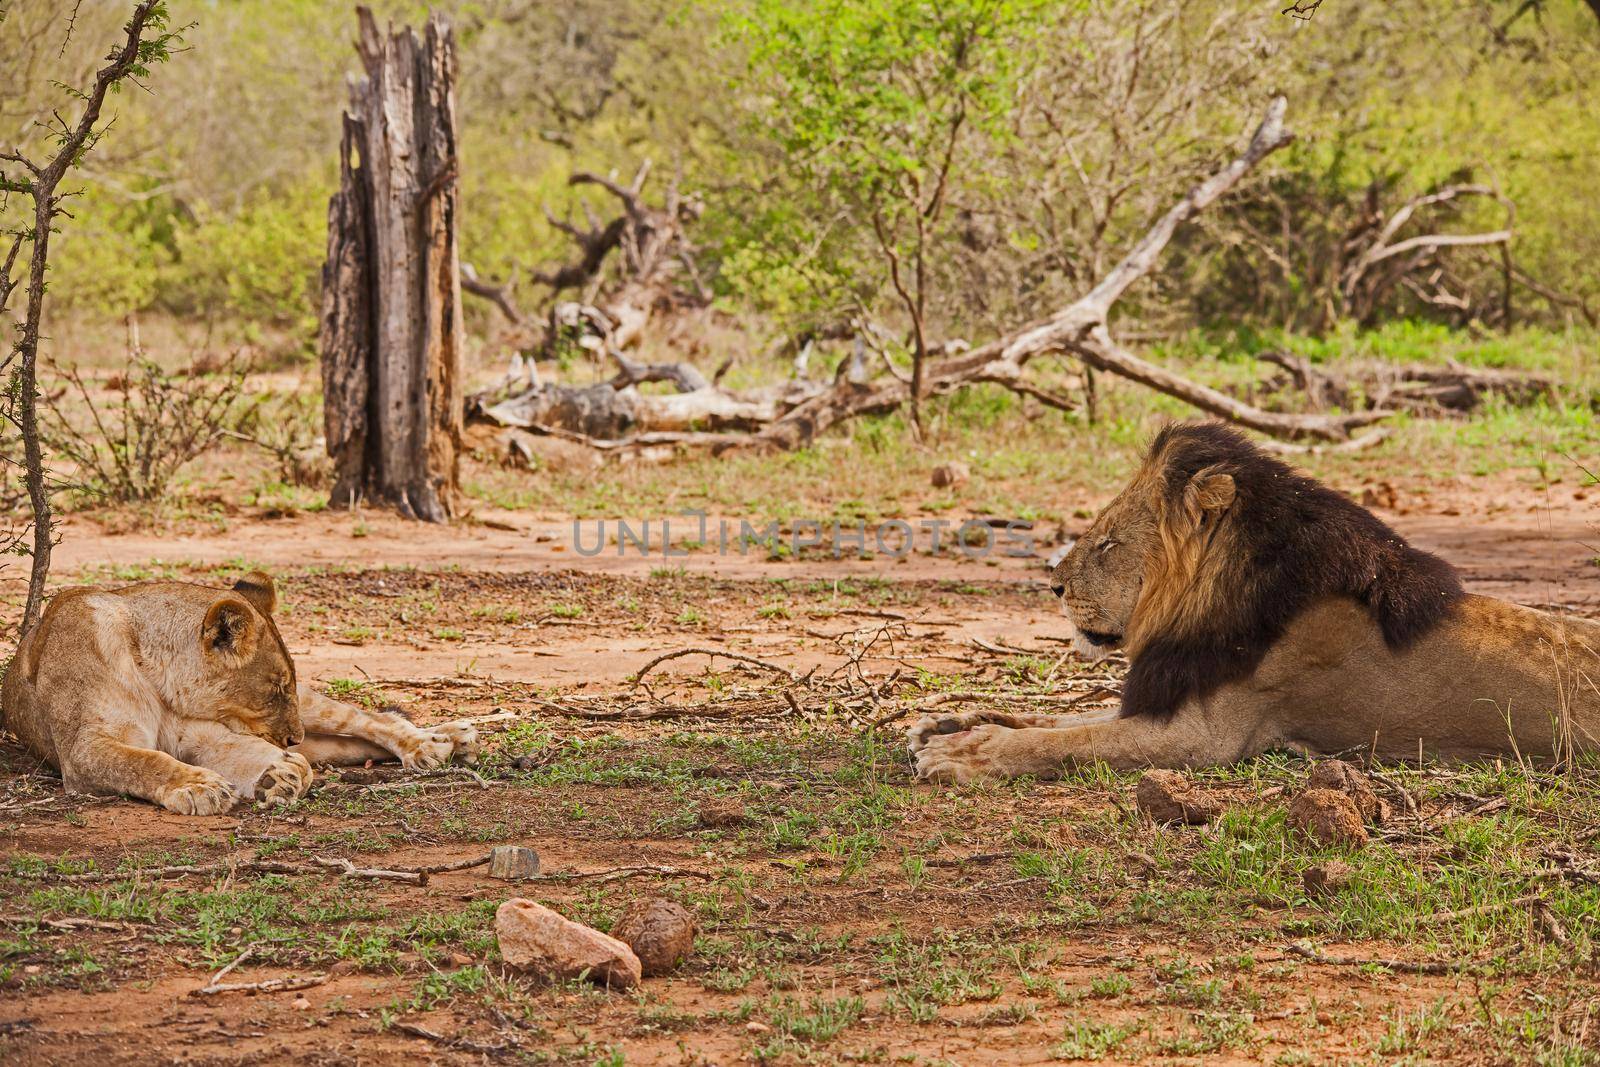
[[1349, 779], [1326, 879], [946, 475], [757, 1028], [460, 959], [1381, 495], [1140, 864], [723, 814], [1327, 817], [513, 863], [1169, 797], [535, 939], [300, 1004], [343, 967], [660, 932]]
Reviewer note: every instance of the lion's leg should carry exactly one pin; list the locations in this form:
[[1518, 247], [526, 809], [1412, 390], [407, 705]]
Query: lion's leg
[[1189, 739], [254, 766], [342, 734], [99, 763], [954, 722]]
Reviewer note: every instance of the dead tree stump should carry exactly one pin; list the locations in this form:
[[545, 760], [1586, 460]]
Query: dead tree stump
[[391, 331]]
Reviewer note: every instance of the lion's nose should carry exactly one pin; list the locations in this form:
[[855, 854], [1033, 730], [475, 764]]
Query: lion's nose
[[1059, 590]]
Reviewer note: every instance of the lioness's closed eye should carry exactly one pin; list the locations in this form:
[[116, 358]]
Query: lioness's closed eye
[[186, 696], [1260, 609]]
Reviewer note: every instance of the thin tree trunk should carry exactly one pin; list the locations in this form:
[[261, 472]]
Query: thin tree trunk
[[391, 313]]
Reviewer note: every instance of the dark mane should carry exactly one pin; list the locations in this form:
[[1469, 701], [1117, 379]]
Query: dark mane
[[1293, 541]]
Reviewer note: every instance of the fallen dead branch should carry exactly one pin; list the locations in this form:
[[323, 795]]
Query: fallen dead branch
[[612, 874], [69, 924], [216, 986], [318, 865], [1306, 952], [793, 418], [736, 656]]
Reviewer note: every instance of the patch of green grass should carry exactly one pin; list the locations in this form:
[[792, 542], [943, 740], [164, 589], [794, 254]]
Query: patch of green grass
[[1088, 1040]]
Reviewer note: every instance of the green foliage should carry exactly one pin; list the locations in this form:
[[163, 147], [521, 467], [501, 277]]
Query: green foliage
[[259, 262]]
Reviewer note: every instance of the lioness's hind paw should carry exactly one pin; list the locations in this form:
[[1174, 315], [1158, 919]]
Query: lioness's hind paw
[[438, 745], [285, 781], [206, 793]]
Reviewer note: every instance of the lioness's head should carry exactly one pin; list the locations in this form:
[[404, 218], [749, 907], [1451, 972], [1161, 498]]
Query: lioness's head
[[1199, 565], [248, 674], [1153, 527]]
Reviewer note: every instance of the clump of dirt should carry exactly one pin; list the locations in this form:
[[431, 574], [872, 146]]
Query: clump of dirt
[[1170, 797], [1327, 817], [1326, 879], [1346, 778], [948, 475], [660, 932], [722, 815]]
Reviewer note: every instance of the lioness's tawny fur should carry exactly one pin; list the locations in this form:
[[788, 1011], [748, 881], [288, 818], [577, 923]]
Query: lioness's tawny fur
[[1261, 610], [186, 696]]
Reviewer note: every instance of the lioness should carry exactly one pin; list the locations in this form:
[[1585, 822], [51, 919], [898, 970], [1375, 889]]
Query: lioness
[[186, 696], [1262, 610]]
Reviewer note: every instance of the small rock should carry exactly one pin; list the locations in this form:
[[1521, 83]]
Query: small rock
[[1326, 879], [1140, 864], [300, 1004], [723, 814], [946, 475], [757, 1028], [460, 959], [343, 967], [1327, 817], [1349, 779], [513, 863], [1381, 495], [660, 932], [540, 941], [1169, 797]]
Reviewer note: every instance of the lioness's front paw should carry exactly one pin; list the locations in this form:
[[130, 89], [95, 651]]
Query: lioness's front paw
[[964, 756], [204, 793], [285, 781], [436, 746]]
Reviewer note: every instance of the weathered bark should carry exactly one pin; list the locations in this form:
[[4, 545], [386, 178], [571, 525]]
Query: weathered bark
[[391, 332]]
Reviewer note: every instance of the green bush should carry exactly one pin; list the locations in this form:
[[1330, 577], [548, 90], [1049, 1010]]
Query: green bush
[[261, 262]]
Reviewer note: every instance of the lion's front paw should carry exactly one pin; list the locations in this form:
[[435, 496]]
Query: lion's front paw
[[962, 756], [285, 781], [436, 746], [203, 793], [931, 726]]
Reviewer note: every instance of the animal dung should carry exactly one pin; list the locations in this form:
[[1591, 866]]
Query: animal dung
[[1169, 797], [1326, 879], [1348, 779], [513, 863], [722, 814], [946, 475], [1327, 817], [539, 941], [660, 932]]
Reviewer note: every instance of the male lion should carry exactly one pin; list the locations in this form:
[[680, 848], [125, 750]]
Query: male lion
[[1262, 610], [186, 696]]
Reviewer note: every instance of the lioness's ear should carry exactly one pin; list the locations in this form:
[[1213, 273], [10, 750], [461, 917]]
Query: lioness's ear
[[229, 629], [257, 588], [1209, 491]]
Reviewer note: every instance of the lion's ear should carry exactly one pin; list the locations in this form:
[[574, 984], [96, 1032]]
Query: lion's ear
[[1209, 491], [258, 588], [230, 629]]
